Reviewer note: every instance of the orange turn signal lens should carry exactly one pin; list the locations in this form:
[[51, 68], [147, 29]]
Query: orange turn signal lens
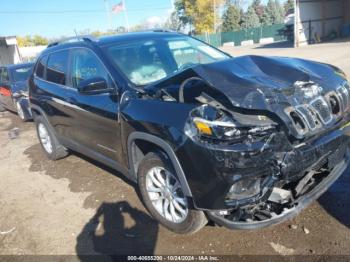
[[203, 128]]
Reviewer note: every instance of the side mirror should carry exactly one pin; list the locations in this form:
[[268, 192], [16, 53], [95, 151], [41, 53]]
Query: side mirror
[[95, 85]]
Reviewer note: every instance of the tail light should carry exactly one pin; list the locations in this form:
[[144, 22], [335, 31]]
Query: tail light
[[5, 91]]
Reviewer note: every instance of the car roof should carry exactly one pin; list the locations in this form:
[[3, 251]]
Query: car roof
[[16, 66], [106, 40]]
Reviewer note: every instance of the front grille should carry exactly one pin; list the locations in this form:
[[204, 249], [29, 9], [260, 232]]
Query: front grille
[[343, 93], [307, 116], [322, 109]]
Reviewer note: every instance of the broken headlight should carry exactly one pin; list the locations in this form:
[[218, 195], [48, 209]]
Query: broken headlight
[[211, 124]]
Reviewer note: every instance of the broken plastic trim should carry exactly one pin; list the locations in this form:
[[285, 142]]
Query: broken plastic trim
[[300, 204]]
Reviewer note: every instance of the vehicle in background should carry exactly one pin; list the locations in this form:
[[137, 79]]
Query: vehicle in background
[[14, 89], [290, 17]]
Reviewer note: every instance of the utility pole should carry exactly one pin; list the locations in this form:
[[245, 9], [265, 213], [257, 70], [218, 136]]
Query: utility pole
[[126, 17], [108, 13], [214, 7]]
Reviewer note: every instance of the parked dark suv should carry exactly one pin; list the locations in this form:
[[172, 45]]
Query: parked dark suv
[[245, 142]]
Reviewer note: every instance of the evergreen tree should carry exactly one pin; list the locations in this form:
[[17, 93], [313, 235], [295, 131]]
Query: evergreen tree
[[288, 5], [274, 13], [231, 19], [280, 13], [259, 9], [250, 19]]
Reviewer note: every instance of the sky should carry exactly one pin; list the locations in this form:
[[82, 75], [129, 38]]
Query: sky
[[55, 18], [51, 19]]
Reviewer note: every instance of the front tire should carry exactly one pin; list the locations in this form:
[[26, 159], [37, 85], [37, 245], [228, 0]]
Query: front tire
[[163, 196], [52, 148]]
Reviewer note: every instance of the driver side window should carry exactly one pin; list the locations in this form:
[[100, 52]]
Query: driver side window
[[85, 65]]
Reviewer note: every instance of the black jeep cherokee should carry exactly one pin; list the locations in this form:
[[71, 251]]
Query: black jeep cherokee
[[245, 142]]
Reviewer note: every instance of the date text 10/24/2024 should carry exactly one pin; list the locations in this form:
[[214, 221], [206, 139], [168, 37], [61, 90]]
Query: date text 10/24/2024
[[173, 258]]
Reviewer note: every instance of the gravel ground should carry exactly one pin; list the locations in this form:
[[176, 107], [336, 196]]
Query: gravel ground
[[77, 206]]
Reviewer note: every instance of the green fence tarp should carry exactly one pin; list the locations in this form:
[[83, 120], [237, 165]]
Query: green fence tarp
[[255, 34]]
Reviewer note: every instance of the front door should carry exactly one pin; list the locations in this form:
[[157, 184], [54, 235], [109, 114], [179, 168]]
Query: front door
[[94, 117]]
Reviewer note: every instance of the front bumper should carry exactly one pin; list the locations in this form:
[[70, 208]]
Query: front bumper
[[302, 202], [210, 171]]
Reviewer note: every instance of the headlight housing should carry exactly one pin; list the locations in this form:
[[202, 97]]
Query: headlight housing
[[209, 124]]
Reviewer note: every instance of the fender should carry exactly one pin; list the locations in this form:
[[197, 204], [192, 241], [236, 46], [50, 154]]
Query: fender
[[37, 108], [167, 149]]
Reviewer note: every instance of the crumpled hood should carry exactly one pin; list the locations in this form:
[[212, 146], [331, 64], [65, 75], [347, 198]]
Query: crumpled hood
[[301, 94], [295, 90], [256, 82]]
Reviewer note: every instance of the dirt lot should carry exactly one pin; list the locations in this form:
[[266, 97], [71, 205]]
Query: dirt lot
[[78, 206]]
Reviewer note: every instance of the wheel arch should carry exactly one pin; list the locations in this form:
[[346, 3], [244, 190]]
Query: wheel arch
[[135, 155]]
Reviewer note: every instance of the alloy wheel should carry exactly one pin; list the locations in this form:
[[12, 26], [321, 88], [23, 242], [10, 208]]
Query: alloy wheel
[[45, 138], [166, 195], [20, 111]]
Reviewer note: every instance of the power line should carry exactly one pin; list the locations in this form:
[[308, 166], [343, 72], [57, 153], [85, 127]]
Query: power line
[[74, 11]]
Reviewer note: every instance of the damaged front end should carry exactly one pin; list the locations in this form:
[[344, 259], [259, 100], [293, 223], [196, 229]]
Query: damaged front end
[[268, 178], [260, 145]]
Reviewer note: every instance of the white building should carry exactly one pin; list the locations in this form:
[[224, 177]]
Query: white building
[[9, 51], [318, 19], [30, 53]]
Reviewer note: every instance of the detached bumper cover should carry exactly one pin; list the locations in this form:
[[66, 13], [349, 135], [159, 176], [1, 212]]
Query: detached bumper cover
[[303, 202]]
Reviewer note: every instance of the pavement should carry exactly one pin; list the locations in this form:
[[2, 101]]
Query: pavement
[[78, 206]]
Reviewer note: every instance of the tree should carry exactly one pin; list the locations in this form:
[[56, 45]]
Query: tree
[[231, 19], [39, 40], [250, 19], [24, 41], [174, 22], [280, 12], [288, 5], [259, 9], [32, 40], [274, 13], [199, 13]]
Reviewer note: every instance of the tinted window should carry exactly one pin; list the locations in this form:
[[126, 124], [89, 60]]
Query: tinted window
[[4, 75], [57, 67], [40, 67], [21, 74], [86, 65]]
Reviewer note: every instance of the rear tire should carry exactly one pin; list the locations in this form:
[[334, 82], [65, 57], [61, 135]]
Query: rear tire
[[181, 219], [52, 148], [21, 112]]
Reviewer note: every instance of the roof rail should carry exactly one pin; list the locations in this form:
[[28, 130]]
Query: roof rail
[[85, 38], [162, 30]]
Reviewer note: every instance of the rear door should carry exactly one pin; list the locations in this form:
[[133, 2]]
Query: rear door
[[5, 89], [50, 79]]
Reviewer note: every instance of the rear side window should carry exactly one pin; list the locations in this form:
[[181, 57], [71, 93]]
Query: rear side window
[[40, 67], [21, 74], [56, 71], [4, 75]]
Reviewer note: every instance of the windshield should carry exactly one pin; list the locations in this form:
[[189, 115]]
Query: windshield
[[148, 61], [21, 74]]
